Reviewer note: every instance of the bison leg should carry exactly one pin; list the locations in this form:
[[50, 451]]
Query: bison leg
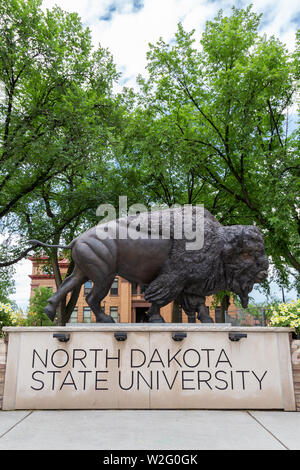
[[154, 314], [99, 267], [191, 317], [189, 303], [72, 281], [203, 316], [94, 298]]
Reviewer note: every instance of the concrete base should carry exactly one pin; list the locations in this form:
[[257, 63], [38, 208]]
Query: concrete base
[[151, 429], [157, 366]]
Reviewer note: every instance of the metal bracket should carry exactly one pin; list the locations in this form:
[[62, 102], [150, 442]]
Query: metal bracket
[[235, 336], [62, 337], [178, 336], [120, 335]]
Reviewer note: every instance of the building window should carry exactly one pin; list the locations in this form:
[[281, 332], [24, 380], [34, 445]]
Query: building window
[[114, 287], [46, 270], [73, 317], [86, 315], [134, 286], [87, 287], [114, 314], [143, 288]]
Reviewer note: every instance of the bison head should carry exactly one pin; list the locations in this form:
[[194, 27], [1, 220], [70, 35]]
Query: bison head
[[244, 258]]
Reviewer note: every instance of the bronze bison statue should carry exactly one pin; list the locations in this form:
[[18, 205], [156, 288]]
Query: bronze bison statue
[[231, 258]]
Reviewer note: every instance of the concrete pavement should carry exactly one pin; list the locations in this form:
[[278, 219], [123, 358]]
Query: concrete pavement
[[149, 429]]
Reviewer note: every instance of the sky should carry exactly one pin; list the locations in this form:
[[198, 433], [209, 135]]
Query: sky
[[126, 27]]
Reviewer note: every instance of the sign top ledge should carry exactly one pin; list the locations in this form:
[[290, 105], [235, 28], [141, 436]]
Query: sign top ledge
[[220, 327]]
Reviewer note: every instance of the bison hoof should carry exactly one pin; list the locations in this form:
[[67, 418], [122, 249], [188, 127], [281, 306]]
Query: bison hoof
[[206, 320], [156, 319], [50, 312], [105, 319]]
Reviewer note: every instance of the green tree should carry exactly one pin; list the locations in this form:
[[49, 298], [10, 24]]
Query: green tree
[[36, 315], [42, 63], [211, 126], [58, 115], [61, 211], [56, 92], [6, 284]]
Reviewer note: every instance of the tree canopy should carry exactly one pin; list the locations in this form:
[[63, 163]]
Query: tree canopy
[[56, 117], [212, 126]]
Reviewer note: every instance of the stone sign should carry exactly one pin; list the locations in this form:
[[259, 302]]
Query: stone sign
[[156, 366]]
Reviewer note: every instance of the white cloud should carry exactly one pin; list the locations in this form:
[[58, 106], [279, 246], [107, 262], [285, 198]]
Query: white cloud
[[128, 30], [92, 10], [128, 35], [280, 19]]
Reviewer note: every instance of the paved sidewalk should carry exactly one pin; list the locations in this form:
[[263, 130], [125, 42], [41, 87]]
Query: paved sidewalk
[[149, 429]]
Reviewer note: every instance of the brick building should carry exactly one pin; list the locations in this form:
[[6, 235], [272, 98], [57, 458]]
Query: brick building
[[125, 302]]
